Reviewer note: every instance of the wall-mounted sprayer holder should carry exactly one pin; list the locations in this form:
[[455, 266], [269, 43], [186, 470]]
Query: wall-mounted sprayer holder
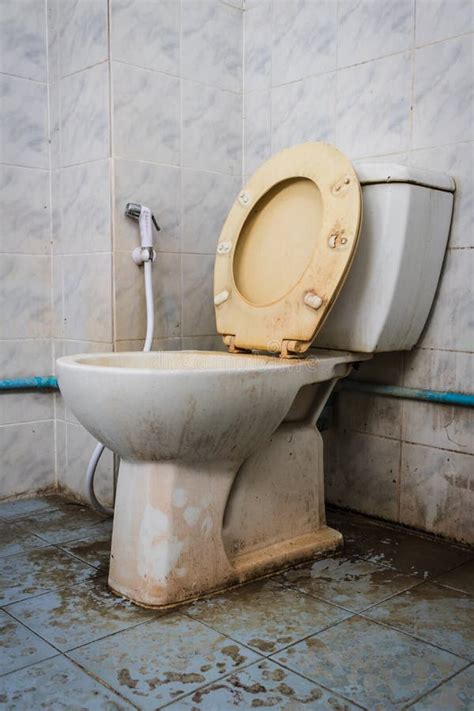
[[144, 253]]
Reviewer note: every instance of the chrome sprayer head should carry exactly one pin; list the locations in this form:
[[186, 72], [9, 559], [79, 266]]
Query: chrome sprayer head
[[134, 210]]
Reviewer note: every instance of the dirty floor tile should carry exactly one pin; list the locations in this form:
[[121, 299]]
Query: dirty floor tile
[[56, 684], [95, 549], [461, 578], [13, 540], [265, 616], [70, 523], [353, 584], [38, 571], [370, 664], [70, 617], [406, 552], [457, 694], [20, 508], [19, 647], [264, 685], [437, 614]]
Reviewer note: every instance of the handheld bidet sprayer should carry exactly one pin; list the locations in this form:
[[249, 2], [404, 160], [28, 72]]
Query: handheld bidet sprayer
[[145, 217]]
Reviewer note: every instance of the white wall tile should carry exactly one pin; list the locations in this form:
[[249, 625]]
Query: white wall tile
[[85, 115], [257, 130], [87, 283], [54, 125], [258, 47], [212, 129], [439, 19], [83, 30], [439, 426], [24, 210], [304, 111], [207, 198], [24, 114], [211, 35], [437, 492], [444, 96], [158, 187], [130, 312], [158, 344], [368, 29], [80, 445], [369, 414], [20, 472], [373, 107], [26, 406], [57, 328], [23, 38], [203, 343], [146, 115], [458, 161], [385, 368], [146, 34], [20, 358], [439, 370], [451, 322], [304, 39], [25, 296], [85, 208], [198, 305]]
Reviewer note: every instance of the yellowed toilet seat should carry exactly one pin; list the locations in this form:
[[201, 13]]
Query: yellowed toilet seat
[[286, 248]]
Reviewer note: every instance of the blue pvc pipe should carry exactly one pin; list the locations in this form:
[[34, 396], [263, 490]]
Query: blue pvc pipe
[[34, 383], [444, 398]]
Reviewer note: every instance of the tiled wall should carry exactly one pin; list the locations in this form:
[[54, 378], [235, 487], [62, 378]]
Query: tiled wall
[[384, 81], [27, 419]]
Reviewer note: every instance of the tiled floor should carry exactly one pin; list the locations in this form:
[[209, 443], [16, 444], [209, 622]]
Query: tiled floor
[[387, 624]]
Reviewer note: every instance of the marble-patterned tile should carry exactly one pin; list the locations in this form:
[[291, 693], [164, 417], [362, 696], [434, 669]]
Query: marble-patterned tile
[[17, 356], [384, 368], [25, 303], [442, 426], [158, 344], [444, 93], [263, 684], [203, 343], [438, 370], [83, 34], [451, 320], [14, 540], [19, 508], [130, 297], [23, 39], [455, 694], [439, 19], [80, 445], [366, 474], [371, 664], [85, 115], [368, 30], [94, 549], [20, 647], [16, 213], [71, 522], [30, 406], [370, 414], [54, 125], [458, 161], [397, 548], [53, 684], [24, 107], [87, 282], [22, 473], [146, 114], [211, 36], [304, 111], [39, 571], [461, 578], [159, 188], [53, 20], [257, 130], [373, 106], [433, 613], [146, 34], [258, 47], [207, 198], [304, 39], [188, 655], [57, 293], [212, 129], [351, 583], [85, 208], [198, 305], [74, 616], [265, 616], [437, 493]]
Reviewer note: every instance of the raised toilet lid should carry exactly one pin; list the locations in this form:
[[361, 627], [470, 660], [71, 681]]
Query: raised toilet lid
[[286, 248]]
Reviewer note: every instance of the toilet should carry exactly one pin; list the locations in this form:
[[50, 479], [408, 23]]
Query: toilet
[[319, 265]]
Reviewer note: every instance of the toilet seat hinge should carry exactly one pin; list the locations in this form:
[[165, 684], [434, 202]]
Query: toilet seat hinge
[[230, 343]]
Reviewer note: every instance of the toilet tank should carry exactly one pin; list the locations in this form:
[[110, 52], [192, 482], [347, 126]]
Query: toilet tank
[[387, 296]]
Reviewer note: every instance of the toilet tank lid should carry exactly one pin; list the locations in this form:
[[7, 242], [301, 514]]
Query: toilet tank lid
[[370, 173]]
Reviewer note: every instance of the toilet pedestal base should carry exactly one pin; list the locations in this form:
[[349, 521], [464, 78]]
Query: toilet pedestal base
[[182, 529]]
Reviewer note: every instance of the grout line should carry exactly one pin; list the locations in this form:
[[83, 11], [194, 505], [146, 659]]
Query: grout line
[[437, 686]]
